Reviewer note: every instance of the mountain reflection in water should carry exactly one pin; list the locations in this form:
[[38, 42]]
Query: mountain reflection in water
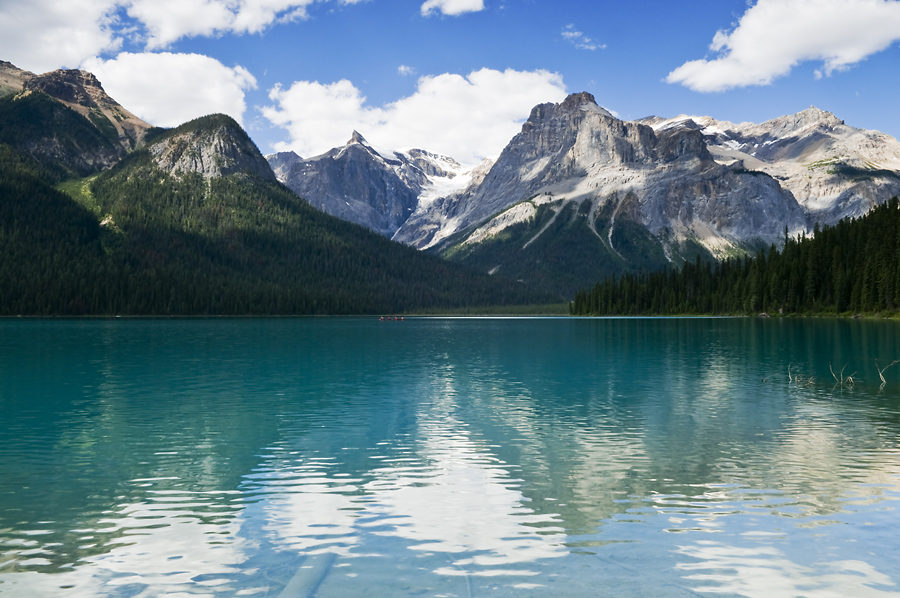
[[453, 457]]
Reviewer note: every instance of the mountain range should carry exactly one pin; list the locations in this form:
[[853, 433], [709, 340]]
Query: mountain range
[[114, 215], [578, 194], [101, 213]]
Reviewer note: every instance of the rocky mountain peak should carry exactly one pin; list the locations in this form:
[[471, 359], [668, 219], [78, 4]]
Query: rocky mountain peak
[[12, 78], [282, 162], [213, 146], [583, 102], [82, 92], [577, 100], [71, 85], [357, 138], [573, 106], [792, 124], [815, 114]]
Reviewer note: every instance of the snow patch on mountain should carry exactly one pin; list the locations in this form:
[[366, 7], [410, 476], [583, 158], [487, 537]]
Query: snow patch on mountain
[[834, 170]]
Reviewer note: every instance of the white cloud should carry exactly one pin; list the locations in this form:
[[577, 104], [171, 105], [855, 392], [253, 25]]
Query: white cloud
[[168, 89], [406, 70], [579, 39], [467, 118], [773, 36], [451, 7], [43, 35], [170, 20]]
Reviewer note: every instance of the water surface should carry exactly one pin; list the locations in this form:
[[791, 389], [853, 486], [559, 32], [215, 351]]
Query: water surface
[[449, 457]]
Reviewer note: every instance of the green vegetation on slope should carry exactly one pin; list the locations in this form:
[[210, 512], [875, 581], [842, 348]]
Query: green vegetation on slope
[[237, 244], [53, 135], [563, 252], [853, 266]]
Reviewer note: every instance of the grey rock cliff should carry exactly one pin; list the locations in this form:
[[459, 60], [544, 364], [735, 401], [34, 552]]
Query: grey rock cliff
[[688, 182], [281, 163], [356, 182], [834, 170], [668, 183], [212, 146]]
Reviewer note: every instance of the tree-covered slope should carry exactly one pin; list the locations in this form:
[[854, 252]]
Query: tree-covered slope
[[189, 224], [851, 267], [50, 133], [562, 247], [49, 245]]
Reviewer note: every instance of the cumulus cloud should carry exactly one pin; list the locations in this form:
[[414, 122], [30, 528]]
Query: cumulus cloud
[[773, 36], [579, 39], [167, 21], [168, 89], [43, 35], [451, 7], [467, 118]]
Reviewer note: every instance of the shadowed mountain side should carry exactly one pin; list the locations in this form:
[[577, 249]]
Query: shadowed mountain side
[[194, 223]]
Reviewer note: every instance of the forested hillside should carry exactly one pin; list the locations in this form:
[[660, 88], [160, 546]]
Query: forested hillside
[[852, 267], [143, 240], [45, 131]]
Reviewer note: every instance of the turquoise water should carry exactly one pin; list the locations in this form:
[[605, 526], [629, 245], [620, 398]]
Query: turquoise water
[[449, 457]]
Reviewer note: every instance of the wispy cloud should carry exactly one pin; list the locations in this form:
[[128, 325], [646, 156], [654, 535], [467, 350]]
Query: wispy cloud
[[451, 7], [579, 39], [774, 36], [406, 70]]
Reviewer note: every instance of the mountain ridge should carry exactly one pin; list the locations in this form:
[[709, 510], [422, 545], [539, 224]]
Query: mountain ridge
[[576, 195], [192, 221], [683, 185], [81, 91]]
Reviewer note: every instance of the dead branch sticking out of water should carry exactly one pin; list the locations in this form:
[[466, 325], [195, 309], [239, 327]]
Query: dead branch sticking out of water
[[881, 370], [792, 379], [848, 381]]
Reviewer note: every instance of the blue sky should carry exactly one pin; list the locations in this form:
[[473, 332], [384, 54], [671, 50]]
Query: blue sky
[[460, 76]]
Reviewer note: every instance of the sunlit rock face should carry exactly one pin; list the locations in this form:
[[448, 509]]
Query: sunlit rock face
[[378, 189], [212, 146], [579, 186], [666, 181], [832, 169], [81, 91]]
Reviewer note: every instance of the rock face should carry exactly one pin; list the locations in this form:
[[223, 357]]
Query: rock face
[[834, 170], [576, 152], [282, 162], [56, 135], [81, 91], [212, 146], [578, 186], [356, 182], [12, 78]]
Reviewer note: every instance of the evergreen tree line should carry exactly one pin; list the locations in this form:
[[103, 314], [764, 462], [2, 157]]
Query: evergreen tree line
[[851, 267]]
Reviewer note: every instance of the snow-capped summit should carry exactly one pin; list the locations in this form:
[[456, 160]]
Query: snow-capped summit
[[374, 187], [833, 170], [595, 195]]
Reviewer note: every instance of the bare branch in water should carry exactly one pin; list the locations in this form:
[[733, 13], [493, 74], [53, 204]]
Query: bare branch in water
[[842, 380], [881, 370]]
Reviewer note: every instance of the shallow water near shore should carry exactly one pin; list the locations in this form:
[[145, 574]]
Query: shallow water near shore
[[340, 457]]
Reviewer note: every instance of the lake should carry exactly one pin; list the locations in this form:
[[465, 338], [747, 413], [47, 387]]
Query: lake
[[342, 457]]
